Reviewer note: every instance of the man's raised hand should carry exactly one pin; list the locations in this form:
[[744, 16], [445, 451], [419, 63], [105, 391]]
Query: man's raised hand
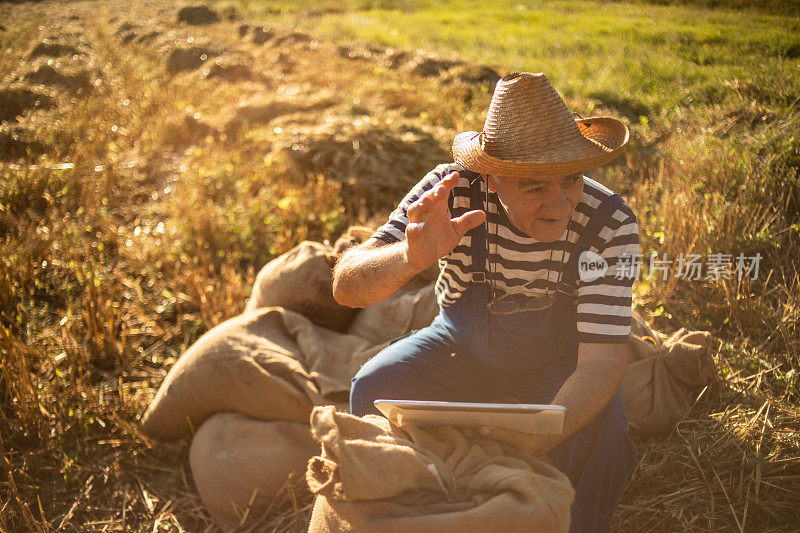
[[431, 233]]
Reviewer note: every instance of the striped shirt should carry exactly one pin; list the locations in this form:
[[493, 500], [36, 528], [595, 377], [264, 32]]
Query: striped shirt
[[518, 262]]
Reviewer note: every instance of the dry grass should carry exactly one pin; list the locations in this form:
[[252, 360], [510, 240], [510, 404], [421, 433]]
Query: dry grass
[[141, 206]]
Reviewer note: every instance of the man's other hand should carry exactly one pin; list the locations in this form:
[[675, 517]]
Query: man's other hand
[[525, 443]]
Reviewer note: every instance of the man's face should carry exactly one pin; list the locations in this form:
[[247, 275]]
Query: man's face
[[539, 207]]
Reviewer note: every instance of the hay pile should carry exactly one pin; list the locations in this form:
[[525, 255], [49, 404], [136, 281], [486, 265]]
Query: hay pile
[[374, 163]]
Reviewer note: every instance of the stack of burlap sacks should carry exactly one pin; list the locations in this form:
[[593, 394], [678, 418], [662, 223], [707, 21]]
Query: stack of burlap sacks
[[246, 389]]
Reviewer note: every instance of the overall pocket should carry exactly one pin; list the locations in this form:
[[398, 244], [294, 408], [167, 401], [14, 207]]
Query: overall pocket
[[524, 325]]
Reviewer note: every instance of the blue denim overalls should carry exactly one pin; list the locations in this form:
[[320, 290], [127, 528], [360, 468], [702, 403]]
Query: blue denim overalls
[[469, 354]]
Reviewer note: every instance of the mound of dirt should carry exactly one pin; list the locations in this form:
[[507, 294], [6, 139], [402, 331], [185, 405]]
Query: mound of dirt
[[230, 13], [16, 144], [395, 58], [294, 37], [187, 130], [362, 53], [52, 49], [128, 33], [197, 15], [385, 57], [260, 35], [190, 58], [148, 37], [255, 113], [128, 37], [430, 66], [47, 75], [124, 28], [475, 75], [284, 63], [263, 113], [14, 102], [424, 65], [228, 71]]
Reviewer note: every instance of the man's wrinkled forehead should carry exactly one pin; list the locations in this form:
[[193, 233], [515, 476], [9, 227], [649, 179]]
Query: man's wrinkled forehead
[[533, 181]]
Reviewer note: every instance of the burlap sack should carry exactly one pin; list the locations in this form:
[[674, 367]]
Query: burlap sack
[[354, 236], [331, 358], [412, 307], [663, 376], [372, 477], [300, 280], [247, 365], [270, 364], [240, 464]]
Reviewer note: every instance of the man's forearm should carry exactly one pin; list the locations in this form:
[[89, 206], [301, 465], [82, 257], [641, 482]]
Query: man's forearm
[[585, 394], [366, 276], [587, 391]]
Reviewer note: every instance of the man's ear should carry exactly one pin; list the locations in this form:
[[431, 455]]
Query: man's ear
[[491, 184]]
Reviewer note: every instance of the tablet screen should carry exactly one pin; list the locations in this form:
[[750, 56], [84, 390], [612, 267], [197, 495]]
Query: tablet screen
[[528, 418], [421, 405]]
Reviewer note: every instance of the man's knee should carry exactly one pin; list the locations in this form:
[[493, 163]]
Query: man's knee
[[603, 444], [614, 438], [364, 389], [610, 459], [383, 376]]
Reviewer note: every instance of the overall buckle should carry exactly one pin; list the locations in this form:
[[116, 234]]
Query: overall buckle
[[478, 277]]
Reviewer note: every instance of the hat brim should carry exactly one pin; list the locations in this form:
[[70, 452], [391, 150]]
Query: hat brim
[[602, 139]]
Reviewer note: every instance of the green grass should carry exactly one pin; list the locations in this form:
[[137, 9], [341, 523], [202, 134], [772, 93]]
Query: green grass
[[651, 58]]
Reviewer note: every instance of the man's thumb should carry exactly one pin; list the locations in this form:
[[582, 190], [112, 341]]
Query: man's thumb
[[467, 221]]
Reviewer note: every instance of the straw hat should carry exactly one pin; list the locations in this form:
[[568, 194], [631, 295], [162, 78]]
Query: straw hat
[[529, 131]]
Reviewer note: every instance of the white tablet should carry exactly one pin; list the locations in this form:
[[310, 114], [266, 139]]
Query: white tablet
[[523, 417]]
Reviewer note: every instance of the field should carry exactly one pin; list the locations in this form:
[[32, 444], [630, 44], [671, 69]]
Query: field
[[149, 168]]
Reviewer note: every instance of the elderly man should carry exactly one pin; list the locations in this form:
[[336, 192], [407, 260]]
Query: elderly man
[[511, 222]]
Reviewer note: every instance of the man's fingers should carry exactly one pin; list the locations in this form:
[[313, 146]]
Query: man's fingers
[[432, 198], [448, 182], [467, 221], [441, 190], [516, 439], [416, 211]]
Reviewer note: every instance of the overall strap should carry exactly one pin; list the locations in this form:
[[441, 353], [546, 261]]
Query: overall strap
[[597, 222], [479, 286]]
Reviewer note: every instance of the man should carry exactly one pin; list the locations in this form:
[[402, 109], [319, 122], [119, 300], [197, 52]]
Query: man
[[508, 222]]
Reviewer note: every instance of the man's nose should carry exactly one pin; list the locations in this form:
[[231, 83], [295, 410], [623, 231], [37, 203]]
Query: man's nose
[[555, 200]]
